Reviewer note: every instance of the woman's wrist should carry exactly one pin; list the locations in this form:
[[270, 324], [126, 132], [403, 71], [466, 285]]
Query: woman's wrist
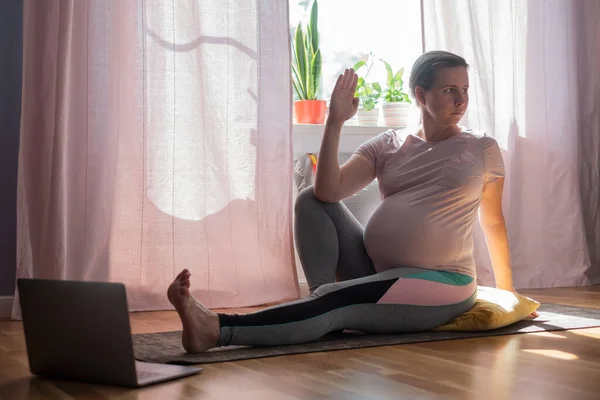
[[509, 288], [334, 123], [505, 284]]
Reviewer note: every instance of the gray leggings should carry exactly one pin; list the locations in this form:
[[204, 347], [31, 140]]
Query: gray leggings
[[330, 244]]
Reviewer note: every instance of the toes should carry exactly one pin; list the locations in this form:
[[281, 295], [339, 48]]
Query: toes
[[182, 282], [184, 291], [182, 273]]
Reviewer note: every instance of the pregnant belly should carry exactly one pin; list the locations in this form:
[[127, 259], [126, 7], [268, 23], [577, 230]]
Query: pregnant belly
[[414, 234]]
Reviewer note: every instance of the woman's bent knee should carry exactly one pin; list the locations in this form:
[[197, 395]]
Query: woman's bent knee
[[306, 198]]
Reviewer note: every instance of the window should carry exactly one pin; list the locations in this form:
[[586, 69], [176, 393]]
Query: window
[[351, 29]]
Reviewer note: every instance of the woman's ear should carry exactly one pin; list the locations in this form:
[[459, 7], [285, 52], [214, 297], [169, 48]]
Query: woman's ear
[[420, 95]]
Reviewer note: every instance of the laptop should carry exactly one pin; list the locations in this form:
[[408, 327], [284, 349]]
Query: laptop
[[80, 331]]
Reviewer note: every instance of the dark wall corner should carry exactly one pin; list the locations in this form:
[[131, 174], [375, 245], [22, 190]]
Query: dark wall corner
[[11, 54]]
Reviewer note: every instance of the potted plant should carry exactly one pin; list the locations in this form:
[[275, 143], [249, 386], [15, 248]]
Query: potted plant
[[396, 106], [306, 71], [368, 94]]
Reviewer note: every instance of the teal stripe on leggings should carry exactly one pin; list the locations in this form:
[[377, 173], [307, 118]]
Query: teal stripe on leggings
[[446, 277]]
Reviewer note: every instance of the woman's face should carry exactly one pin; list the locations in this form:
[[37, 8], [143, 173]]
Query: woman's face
[[448, 98]]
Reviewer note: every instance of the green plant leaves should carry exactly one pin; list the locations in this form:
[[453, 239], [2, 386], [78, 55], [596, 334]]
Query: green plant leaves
[[358, 65], [368, 93], [390, 74], [299, 68], [297, 85], [315, 75], [394, 91], [398, 76], [313, 29], [307, 62]]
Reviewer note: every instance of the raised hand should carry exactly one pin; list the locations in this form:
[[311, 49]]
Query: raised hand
[[343, 104]]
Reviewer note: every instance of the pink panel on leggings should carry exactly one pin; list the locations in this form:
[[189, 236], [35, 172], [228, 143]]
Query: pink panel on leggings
[[421, 292]]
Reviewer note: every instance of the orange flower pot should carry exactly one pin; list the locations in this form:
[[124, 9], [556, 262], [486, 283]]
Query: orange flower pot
[[310, 111]]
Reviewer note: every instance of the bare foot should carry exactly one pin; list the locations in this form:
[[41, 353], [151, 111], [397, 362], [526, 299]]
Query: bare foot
[[201, 328]]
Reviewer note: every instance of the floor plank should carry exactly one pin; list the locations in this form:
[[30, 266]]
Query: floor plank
[[547, 365]]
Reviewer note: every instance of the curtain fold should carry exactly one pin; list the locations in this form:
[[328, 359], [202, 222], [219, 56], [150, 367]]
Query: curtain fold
[[535, 87], [588, 84], [156, 136]]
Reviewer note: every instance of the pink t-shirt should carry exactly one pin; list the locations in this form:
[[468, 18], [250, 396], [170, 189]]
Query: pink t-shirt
[[430, 196]]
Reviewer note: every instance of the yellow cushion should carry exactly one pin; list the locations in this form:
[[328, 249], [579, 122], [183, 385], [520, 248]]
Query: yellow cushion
[[494, 308]]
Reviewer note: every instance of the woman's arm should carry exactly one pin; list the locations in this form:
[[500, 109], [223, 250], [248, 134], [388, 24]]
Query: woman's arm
[[333, 183], [494, 228]]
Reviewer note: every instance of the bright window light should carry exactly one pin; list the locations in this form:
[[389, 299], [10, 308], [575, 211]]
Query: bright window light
[[350, 29]]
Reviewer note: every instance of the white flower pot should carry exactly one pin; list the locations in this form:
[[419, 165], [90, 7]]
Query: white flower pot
[[367, 118], [396, 114]]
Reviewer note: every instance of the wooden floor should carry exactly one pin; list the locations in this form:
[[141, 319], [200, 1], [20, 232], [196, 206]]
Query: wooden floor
[[561, 365]]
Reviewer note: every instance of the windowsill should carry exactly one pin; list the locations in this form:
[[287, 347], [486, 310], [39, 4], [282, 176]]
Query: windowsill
[[307, 137], [349, 129]]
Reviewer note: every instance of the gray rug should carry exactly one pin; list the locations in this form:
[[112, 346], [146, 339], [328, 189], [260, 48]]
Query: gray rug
[[165, 347]]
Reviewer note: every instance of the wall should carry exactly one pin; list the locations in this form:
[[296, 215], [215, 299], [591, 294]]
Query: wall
[[11, 45]]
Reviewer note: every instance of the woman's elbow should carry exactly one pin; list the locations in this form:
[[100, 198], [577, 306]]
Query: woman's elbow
[[325, 195]]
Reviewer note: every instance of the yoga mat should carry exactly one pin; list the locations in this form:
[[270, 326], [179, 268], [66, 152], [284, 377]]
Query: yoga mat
[[165, 347]]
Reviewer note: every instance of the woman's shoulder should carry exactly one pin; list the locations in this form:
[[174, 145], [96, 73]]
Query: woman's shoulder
[[479, 136], [392, 137], [388, 140], [378, 147]]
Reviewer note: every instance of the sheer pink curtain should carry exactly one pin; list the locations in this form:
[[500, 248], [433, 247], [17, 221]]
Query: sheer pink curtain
[[535, 85], [156, 136]]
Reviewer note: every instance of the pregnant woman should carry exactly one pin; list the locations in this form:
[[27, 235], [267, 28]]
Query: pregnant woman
[[411, 267]]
